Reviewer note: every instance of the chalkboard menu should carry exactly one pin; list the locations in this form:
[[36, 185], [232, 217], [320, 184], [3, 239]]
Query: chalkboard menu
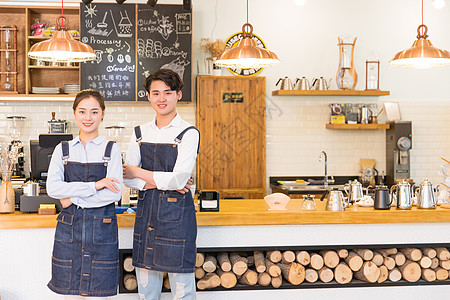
[[110, 30], [164, 40]]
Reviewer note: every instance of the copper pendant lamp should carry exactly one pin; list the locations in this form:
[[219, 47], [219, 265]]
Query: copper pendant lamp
[[422, 54], [247, 54], [61, 47]]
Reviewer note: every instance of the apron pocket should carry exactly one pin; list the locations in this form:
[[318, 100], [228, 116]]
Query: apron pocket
[[105, 276], [168, 253], [64, 228], [61, 273], [105, 230], [170, 208]]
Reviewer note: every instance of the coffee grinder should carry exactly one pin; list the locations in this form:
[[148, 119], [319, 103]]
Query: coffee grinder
[[398, 144]]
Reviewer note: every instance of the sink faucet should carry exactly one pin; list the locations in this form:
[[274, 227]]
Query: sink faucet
[[323, 157]]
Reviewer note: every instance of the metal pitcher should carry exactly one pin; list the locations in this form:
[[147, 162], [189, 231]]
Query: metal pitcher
[[320, 84], [302, 84], [382, 198], [335, 200], [354, 191], [402, 194], [286, 83], [426, 195]]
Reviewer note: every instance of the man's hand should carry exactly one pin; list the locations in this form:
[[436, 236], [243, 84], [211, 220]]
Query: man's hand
[[65, 202], [130, 172], [107, 183], [187, 187]]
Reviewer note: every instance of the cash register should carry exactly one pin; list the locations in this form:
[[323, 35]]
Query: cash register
[[41, 153]]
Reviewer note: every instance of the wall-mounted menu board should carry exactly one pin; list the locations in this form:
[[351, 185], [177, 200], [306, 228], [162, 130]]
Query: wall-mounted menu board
[[164, 40], [110, 29]]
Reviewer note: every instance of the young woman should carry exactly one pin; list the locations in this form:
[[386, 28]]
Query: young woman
[[86, 175], [160, 160]]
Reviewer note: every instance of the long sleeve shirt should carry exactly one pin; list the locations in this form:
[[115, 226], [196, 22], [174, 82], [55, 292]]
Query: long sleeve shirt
[[84, 194], [187, 154]]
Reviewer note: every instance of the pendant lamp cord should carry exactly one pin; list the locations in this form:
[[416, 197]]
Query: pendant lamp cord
[[422, 15], [62, 12], [247, 11]]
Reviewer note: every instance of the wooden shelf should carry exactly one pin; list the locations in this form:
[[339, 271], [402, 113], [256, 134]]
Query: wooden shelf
[[328, 93], [357, 126], [54, 67], [41, 38]]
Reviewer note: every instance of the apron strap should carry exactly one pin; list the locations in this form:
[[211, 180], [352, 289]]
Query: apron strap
[[107, 155], [65, 150], [137, 132], [180, 136]]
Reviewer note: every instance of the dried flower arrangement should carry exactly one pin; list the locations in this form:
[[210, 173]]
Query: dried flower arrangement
[[214, 48]]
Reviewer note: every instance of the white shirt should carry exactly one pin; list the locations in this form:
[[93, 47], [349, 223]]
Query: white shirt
[[187, 153], [84, 194]]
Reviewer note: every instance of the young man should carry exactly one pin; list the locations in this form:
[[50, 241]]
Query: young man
[[159, 162]]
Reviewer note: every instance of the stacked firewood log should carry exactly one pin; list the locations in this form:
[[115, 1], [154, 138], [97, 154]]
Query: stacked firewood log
[[341, 266]]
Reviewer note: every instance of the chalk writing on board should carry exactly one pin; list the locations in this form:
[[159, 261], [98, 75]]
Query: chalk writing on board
[[164, 41], [110, 31]]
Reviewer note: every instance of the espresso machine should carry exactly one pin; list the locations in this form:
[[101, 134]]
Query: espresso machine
[[398, 144]]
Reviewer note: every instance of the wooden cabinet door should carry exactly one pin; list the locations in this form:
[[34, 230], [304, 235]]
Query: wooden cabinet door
[[231, 117]]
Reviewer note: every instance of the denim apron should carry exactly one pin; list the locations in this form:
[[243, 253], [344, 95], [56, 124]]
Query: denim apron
[[165, 229], [85, 257]]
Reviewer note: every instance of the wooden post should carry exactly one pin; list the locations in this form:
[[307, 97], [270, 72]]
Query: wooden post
[[274, 256], [260, 261], [227, 279], [210, 264], [354, 261], [316, 261], [264, 279], [411, 271], [294, 272], [330, 258], [369, 272], [342, 273], [325, 274], [303, 257], [224, 261], [250, 277], [211, 280], [200, 259], [311, 275], [272, 269]]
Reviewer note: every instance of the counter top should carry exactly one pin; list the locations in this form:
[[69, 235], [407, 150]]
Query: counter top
[[255, 212]]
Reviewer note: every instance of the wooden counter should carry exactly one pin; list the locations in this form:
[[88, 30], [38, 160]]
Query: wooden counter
[[255, 212]]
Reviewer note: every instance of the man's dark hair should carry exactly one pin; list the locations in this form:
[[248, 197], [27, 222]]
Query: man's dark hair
[[169, 77]]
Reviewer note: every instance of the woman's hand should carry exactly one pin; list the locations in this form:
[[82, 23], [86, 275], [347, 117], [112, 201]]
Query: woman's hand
[[130, 172], [187, 187], [107, 183], [65, 202]]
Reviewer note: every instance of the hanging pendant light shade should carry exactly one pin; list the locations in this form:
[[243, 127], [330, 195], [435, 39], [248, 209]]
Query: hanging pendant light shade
[[247, 54], [61, 47], [422, 54]]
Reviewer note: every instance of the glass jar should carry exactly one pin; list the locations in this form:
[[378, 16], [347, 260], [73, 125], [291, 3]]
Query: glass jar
[[7, 39], [346, 77], [7, 84]]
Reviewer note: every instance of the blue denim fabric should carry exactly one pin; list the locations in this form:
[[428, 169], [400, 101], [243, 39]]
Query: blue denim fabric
[[150, 284], [85, 257], [165, 228]]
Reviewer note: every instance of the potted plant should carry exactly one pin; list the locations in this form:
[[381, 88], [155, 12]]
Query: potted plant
[[212, 49]]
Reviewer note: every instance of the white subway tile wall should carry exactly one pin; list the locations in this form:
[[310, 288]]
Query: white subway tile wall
[[296, 133]]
